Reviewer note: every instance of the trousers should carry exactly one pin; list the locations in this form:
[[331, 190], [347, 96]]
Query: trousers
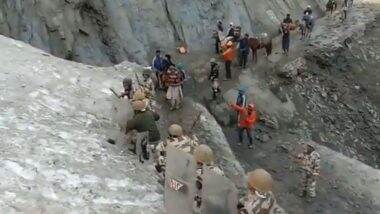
[[249, 135]]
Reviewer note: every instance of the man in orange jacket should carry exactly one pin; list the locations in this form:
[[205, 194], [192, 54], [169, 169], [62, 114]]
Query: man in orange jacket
[[247, 120], [228, 56]]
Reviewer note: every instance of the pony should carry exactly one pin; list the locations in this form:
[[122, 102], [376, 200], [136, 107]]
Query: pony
[[259, 43]]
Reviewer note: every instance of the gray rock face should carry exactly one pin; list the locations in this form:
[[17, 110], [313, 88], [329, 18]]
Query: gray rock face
[[54, 123], [293, 68], [105, 32]]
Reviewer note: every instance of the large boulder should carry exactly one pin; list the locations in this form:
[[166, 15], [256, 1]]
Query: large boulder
[[293, 68]]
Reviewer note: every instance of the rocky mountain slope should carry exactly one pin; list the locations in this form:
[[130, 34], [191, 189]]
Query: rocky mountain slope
[[103, 32], [53, 124], [55, 119]]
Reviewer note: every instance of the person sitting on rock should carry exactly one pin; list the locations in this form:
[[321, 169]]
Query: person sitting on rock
[[247, 120], [128, 88], [174, 92], [178, 140], [259, 197]]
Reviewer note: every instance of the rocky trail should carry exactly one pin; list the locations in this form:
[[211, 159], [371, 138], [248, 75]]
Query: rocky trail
[[298, 92], [55, 117]]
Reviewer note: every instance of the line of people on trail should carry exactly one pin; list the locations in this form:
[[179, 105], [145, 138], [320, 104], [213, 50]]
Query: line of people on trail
[[167, 75], [145, 122], [232, 45], [305, 28]]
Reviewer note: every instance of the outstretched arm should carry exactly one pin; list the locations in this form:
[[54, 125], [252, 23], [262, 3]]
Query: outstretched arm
[[236, 107]]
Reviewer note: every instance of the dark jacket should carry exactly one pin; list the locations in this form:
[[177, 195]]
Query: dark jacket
[[157, 64], [241, 100], [243, 45], [166, 63], [214, 73], [231, 32], [145, 121], [287, 20]]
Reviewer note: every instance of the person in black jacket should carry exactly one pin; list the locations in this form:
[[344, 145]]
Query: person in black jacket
[[214, 72], [231, 30], [167, 62], [288, 20], [244, 50]]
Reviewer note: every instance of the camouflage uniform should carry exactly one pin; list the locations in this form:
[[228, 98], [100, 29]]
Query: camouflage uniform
[[148, 86], [311, 168], [184, 143], [254, 203]]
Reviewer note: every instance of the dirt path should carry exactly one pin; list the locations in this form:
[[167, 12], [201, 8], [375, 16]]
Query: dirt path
[[336, 194]]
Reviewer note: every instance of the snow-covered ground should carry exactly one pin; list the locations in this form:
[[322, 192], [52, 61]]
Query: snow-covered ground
[[54, 117]]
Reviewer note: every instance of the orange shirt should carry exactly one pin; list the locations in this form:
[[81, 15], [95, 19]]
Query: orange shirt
[[229, 54], [245, 120]]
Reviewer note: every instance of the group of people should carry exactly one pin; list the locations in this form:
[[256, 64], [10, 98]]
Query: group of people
[[169, 77], [259, 197], [231, 44], [305, 28], [164, 74]]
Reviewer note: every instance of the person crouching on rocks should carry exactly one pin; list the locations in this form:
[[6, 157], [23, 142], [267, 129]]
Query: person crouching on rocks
[[174, 93], [144, 120], [128, 88], [247, 120]]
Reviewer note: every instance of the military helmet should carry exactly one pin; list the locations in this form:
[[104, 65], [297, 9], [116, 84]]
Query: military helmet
[[139, 95], [260, 180], [127, 81], [175, 130], [139, 105], [204, 154]]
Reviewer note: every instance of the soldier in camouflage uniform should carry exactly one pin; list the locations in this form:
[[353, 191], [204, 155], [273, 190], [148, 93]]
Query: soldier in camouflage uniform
[[204, 157], [148, 83], [310, 161], [179, 141], [259, 199]]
